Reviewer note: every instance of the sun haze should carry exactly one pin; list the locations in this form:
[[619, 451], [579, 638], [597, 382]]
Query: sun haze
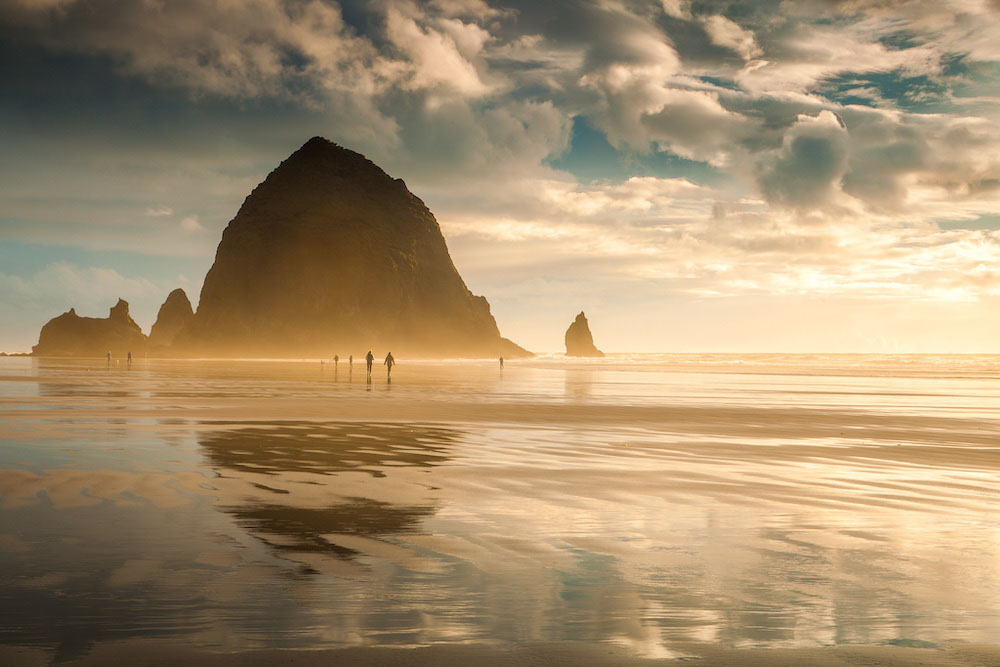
[[694, 175]]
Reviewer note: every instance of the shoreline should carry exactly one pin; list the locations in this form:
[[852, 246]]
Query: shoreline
[[141, 654]]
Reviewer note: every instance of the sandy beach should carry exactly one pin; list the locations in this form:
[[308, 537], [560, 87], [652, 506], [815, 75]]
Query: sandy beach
[[707, 510], [561, 655]]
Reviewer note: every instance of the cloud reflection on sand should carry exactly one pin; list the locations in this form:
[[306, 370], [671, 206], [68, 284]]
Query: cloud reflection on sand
[[556, 516]]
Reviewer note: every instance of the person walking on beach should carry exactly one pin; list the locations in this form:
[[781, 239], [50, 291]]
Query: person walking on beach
[[130, 359], [336, 360], [389, 363], [501, 363], [369, 358], [109, 358]]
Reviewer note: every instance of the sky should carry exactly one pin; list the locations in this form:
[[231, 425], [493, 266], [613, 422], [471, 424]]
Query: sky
[[697, 176]]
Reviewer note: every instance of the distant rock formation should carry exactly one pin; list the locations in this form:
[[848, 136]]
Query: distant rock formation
[[329, 254], [70, 335], [579, 340], [175, 314]]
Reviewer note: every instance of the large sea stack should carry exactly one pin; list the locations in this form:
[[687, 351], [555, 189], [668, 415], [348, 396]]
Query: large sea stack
[[70, 335], [175, 314], [330, 255], [579, 340]]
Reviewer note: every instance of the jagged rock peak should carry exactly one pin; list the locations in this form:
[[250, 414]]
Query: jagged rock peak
[[120, 311], [579, 340], [175, 313]]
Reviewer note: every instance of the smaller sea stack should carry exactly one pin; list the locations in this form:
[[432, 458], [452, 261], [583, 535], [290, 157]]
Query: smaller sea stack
[[70, 335], [175, 314], [579, 340]]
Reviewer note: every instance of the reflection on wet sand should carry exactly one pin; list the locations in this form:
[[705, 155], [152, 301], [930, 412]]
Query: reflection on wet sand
[[543, 511], [326, 448], [115, 576], [303, 511], [312, 529]]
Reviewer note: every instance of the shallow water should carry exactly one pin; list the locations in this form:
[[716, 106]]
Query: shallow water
[[762, 500]]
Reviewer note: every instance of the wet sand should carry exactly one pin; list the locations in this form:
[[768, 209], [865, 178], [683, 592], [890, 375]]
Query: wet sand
[[712, 511], [555, 655]]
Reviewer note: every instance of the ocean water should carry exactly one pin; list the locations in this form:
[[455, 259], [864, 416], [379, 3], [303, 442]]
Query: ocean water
[[645, 501]]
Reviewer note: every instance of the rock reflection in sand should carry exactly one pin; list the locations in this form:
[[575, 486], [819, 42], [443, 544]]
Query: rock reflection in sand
[[326, 448], [297, 525]]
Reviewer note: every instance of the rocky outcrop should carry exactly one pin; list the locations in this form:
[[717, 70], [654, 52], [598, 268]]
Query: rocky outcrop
[[510, 349], [329, 254], [579, 340], [175, 314], [70, 335]]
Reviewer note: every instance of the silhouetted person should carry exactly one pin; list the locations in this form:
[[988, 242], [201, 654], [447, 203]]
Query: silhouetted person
[[130, 360], [109, 358], [501, 362], [389, 363], [336, 360], [350, 362], [369, 358]]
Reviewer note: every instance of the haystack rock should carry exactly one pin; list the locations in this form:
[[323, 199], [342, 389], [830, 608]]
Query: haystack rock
[[70, 335], [329, 254], [175, 314], [579, 340]]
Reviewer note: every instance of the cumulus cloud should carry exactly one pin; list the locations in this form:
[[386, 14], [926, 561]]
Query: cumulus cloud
[[731, 35], [236, 49], [806, 172], [441, 55]]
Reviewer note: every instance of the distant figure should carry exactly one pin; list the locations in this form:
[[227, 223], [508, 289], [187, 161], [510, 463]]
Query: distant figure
[[109, 358], [336, 360], [369, 358], [501, 362], [350, 362], [130, 360], [389, 363]]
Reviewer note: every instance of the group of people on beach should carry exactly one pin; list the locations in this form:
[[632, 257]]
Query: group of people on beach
[[129, 359], [389, 362]]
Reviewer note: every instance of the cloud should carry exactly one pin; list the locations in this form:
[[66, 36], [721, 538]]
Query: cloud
[[679, 9], [729, 34], [158, 212], [191, 224], [807, 171], [438, 56], [251, 48]]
